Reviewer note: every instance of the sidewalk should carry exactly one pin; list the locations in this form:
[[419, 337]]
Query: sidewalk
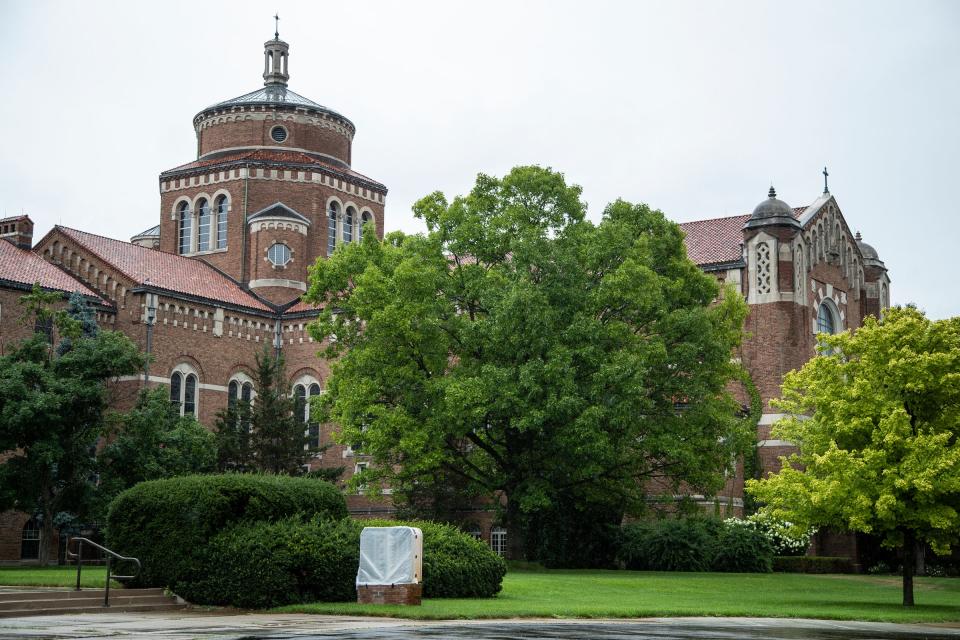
[[221, 626]]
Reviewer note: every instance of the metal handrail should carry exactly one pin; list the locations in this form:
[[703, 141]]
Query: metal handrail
[[110, 556]]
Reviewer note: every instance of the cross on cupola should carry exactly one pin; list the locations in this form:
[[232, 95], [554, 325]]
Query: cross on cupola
[[275, 52]]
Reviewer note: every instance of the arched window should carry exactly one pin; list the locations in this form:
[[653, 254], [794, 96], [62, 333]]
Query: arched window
[[348, 219], [30, 540], [233, 393], [176, 387], [183, 392], [332, 214], [825, 320], [365, 217], [203, 225], [222, 206], [184, 227]]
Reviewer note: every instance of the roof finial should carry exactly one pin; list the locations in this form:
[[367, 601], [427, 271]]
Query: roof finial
[[276, 26], [859, 237], [773, 192], [826, 190]]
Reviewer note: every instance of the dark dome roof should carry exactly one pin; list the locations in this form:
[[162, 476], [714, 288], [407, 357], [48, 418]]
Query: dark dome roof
[[274, 95], [772, 212], [870, 255]]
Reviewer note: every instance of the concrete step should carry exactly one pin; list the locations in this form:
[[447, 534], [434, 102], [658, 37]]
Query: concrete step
[[58, 611], [54, 601]]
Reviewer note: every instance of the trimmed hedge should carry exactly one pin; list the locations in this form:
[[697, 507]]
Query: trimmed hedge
[[813, 564], [268, 564], [167, 524]]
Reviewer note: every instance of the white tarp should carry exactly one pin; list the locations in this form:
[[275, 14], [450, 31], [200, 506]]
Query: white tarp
[[390, 555]]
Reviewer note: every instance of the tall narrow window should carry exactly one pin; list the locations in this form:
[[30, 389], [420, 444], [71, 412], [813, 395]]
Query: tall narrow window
[[825, 323], [498, 541], [190, 396], [348, 219], [300, 407], [184, 227], [176, 386], [365, 217], [246, 393], [313, 428], [222, 206], [233, 393], [332, 214], [30, 540], [203, 225]]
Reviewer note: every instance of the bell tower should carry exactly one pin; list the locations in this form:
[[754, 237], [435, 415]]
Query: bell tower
[[275, 54]]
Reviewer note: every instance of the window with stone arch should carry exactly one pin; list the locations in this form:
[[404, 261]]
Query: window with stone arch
[[764, 268], [333, 215], [222, 207], [203, 224], [184, 389], [184, 228], [365, 217], [828, 323], [349, 217]]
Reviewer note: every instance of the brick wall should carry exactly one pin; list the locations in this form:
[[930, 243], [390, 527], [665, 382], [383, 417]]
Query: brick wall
[[310, 134]]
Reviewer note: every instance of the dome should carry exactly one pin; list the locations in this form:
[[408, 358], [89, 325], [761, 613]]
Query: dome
[[772, 212], [870, 256]]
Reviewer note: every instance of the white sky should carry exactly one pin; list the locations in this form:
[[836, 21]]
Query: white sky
[[692, 107]]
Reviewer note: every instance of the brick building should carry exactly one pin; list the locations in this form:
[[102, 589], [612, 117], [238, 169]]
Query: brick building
[[273, 189]]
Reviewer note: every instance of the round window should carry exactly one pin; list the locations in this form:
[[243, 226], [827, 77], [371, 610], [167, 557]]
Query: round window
[[278, 133], [278, 255]]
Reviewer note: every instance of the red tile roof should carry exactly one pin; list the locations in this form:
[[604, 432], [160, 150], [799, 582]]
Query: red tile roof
[[269, 155], [302, 306], [718, 240], [165, 270], [714, 241], [26, 267]]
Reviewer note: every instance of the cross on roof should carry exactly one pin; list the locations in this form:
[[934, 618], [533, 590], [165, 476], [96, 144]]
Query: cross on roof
[[276, 22], [825, 175]]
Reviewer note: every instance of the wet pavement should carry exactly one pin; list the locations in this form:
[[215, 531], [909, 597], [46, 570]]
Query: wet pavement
[[223, 626]]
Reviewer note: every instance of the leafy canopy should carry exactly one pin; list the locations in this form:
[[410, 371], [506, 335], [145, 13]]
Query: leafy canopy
[[526, 350], [877, 424]]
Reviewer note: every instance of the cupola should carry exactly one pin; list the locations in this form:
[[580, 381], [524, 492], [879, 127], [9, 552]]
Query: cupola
[[772, 212]]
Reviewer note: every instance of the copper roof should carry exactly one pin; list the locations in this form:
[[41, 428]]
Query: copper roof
[[168, 271], [26, 267], [274, 95]]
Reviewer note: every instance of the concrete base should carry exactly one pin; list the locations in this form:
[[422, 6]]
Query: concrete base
[[409, 594]]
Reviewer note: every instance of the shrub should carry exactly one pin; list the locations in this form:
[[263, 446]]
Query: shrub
[[168, 523], [783, 536], [744, 550], [812, 564], [669, 545], [267, 564], [455, 565]]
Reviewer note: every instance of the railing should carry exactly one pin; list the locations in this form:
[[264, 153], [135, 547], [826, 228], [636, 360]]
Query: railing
[[110, 557]]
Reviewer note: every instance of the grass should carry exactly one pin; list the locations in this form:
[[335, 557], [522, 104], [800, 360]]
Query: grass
[[633, 594], [57, 576]]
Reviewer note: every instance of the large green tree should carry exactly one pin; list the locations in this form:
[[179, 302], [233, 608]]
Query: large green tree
[[876, 418], [51, 409], [561, 364], [149, 442]]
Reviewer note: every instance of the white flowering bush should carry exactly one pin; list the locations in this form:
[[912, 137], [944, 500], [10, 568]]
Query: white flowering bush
[[781, 534]]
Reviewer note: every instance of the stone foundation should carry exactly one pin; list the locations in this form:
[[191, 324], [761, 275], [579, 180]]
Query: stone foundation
[[409, 594]]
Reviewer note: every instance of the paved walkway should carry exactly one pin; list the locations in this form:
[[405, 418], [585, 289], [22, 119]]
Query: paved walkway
[[221, 626]]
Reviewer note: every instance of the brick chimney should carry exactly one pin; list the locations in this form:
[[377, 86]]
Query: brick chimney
[[18, 230]]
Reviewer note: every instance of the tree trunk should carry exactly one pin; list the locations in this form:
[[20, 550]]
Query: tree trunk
[[514, 526], [46, 536], [909, 558]]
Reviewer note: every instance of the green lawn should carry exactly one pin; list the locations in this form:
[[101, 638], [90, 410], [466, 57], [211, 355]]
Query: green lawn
[[57, 576], [629, 594]]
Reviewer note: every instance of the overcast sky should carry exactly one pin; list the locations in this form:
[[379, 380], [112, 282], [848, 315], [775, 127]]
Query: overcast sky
[[692, 107]]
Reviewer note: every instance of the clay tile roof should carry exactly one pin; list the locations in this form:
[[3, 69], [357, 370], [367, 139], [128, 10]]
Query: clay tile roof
[[174, 273], [302, 306], [272, 155], [714, 241], [26, 267]]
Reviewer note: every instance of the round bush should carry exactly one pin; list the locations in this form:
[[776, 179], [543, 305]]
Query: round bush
[[743, 550], [167, 524], [632, 538], [267, 564]]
